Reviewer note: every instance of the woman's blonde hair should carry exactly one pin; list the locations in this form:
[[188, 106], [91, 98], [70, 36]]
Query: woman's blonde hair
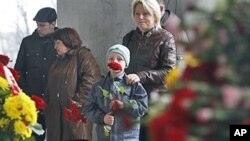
[[152, 7]]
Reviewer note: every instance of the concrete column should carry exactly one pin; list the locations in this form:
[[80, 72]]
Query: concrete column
[[100, 23]]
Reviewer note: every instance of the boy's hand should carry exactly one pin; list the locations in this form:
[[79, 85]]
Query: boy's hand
[[116, 105], [109, 119]]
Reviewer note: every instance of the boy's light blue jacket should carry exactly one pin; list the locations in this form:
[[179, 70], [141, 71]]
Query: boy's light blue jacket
[[97, 106]]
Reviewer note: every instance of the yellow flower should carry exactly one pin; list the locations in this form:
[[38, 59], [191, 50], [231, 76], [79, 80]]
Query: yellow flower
[[22, 129], [21, 106], [31, 117], [172, 76], [4, 122], [12, 107], [29, 109], [191, 60], [4, 83]]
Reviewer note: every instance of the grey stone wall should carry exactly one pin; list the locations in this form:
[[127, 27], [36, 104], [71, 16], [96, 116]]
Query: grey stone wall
[[100, 23]]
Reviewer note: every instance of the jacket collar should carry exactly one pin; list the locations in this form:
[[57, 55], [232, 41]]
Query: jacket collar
[[72, 52], [120, 78], [68, 54], [164, 18], [35, 33], [146, 34]]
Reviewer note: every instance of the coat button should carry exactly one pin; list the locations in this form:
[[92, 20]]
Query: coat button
[[58, 95], [44, 59]]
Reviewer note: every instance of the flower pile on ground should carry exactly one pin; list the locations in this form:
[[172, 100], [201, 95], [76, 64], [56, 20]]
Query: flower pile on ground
[[18, 112], [212, 92]]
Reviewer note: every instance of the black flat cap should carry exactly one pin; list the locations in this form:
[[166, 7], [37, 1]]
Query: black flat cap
[[46, 14]]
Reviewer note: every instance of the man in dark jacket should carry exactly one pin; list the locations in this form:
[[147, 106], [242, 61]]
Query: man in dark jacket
[[35, 56], [171, 22]]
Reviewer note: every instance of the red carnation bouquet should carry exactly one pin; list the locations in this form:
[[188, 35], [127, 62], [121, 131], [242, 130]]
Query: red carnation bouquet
[[74, 113]]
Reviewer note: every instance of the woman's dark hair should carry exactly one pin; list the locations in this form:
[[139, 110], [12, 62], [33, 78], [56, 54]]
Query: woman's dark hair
[[68, 36]]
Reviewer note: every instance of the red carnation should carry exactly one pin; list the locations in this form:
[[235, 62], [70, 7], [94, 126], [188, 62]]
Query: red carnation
[[115, 105], [4, 59], [40, 103], [115, 66]]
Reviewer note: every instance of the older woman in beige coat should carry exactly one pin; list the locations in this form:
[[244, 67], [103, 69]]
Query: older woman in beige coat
[[70, 77]]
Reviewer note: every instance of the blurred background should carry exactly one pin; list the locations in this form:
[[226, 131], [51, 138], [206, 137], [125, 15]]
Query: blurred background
[[100, 23], [206, 96], [16, 22]]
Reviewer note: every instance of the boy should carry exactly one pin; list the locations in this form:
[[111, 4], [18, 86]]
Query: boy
[[113, 105]]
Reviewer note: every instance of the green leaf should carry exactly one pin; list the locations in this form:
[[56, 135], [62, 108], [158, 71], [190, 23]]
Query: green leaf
[[121, 90], [4, 93], [5, 137], [105, 93], [32, 138], [107, 130], [37, 128]]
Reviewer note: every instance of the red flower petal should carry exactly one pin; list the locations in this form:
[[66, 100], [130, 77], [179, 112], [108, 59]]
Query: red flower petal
[[40, 103], [15, 74], [74, 113], [1, 70], [115, 106], [84, 119], [67, 114], [115, 66], [205, 72], [4, 59], [128, 121], [75, 109]]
